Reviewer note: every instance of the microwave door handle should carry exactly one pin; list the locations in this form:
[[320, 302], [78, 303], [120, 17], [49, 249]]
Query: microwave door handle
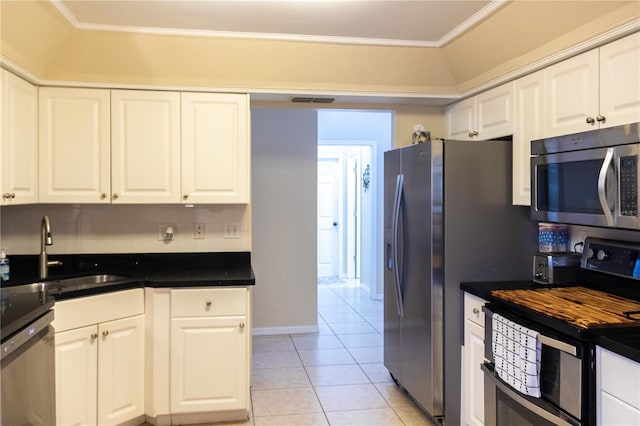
[[602, 186]]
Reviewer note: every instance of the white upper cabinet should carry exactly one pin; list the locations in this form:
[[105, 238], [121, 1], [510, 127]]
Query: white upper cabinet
[[529, 125], [599, 88], [620, 81], [18, 140], [572, 95], [215, 148], [145, 146], [486, 116], [74, 145]]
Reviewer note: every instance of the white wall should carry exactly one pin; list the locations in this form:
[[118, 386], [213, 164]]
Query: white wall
[[91, 228], [284, 227]]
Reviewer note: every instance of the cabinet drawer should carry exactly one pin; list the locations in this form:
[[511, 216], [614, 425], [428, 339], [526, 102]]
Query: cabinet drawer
[[620, 376], [473, 309], [206, 302]]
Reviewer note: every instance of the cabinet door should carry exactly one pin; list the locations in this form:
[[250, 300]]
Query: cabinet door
[[208, 364], [473, 377], [215, 148], [145, 159], [76, 376], [19, 140], [572, 95], [74, 145], [529, 125], [620, 81], [121, 370], [461, 120], [495, 111]]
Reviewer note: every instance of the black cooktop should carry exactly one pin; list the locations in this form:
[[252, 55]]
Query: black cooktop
[[21, 305]]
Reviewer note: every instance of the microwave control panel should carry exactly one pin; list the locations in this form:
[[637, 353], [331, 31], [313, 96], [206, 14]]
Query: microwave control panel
[[628, 186]]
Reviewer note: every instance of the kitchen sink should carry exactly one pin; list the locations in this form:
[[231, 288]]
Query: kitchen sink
[[85, 282]]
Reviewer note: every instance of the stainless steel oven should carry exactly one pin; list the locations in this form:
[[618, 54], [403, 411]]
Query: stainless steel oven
[[27, 357], [588, 178], [563, 366]]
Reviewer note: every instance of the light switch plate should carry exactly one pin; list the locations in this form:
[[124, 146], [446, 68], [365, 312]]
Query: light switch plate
[[231, 230], [198, 231]]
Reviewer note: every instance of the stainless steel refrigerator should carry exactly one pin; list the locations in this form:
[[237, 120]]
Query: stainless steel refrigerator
[[448, 219]]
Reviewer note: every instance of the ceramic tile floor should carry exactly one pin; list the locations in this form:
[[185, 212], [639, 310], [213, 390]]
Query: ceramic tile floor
[[335, 377]]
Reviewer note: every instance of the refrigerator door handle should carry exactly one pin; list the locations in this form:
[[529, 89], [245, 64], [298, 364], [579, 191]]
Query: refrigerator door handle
[[397, 201]]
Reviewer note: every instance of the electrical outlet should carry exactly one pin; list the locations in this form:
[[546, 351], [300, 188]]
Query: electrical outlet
[[231, 230], [162, 230], [198, 231]]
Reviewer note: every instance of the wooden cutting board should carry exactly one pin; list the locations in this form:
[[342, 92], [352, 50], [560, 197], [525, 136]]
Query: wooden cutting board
[[580, 306]]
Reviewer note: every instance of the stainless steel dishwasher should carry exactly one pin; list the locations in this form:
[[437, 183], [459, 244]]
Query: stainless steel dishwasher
[[27, 356]]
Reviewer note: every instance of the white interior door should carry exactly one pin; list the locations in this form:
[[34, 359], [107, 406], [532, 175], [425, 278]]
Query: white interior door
[[328, 171]]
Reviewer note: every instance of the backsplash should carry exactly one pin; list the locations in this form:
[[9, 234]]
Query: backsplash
[[90, 228]]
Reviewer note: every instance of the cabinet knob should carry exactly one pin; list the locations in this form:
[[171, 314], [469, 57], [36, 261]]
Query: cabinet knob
[[590, 120], [601, 118], [103, 196], [185, 196], [115, 196], [476, 311], [8, 195], [105, 333], [208, 303], [474, 133], [241, 325], [94, 336]]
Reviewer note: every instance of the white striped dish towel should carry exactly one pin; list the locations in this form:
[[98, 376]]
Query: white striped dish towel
[[516, 352]]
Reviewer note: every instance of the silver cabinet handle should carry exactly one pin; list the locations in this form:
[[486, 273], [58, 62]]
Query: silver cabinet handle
[[103, 196], [474, 133], [590, 120], [115, 196], [105, 333], [476, 311], [601, 118], [208, 303], [241, 325], [9, 195], [94, 336], [185, 196]]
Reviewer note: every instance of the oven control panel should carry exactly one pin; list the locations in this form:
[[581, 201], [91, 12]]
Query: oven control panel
[[613, 257]]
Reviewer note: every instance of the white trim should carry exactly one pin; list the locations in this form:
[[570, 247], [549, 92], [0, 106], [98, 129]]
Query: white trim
[[268, 331], [574, 50], [482, 14], [479, 16], [275, 94]]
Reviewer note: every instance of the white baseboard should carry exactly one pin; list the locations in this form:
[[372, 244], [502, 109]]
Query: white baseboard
[[266, 331]]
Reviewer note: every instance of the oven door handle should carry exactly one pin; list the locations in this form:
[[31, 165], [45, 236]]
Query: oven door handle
[[517, 397], [557, 344], [602, 186]]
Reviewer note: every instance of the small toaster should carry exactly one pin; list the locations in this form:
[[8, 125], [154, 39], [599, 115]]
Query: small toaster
[[556, 268]]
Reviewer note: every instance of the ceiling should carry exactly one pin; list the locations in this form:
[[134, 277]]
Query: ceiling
[[427, 23]]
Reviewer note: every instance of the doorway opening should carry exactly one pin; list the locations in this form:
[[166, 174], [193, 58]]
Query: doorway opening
[[349, 192]]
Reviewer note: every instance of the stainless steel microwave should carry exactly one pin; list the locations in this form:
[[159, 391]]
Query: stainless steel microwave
[[588, 178]]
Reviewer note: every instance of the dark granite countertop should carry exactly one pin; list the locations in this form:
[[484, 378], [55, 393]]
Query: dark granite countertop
[[139, 270]]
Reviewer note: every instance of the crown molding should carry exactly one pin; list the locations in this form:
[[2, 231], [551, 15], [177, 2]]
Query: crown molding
[[491, 8]]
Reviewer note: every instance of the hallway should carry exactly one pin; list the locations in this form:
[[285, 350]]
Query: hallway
[[336, 377]]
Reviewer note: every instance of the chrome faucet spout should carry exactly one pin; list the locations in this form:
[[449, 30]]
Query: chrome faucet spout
[[45, 240]]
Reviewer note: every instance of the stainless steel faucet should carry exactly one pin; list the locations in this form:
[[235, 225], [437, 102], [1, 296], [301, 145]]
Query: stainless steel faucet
[[46, 240]]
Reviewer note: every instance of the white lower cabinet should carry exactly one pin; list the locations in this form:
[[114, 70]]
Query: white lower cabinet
[[617, 389], [100, 366], [472, 359], [209, 350]]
